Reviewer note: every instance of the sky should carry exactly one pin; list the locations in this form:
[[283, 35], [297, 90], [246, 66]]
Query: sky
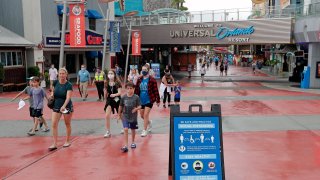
[[202, 5]]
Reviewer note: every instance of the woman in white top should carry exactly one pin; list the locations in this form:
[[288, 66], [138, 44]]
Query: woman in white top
[[133, 76]]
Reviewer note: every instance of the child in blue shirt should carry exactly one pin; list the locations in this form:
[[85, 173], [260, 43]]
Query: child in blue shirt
[[177, 91]]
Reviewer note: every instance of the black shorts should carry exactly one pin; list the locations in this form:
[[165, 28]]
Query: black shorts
[[31, 111], [176, 99], [113, 104], [202, 75], [37, 113], [70, 110], [149, 105]]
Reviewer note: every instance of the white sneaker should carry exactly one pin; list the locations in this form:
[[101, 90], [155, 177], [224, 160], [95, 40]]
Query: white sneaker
[[150, 126], [122, 131], [107, 135], [144, 133]]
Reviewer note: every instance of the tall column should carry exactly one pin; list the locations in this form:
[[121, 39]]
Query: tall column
[[313, 58], [33, 29]]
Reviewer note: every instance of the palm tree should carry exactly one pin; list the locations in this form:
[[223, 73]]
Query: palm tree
[[178, 4]]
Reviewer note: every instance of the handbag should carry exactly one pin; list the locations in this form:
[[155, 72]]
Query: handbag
[[50, 102]]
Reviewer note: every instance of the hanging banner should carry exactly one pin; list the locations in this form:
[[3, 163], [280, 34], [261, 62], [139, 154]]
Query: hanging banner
[[122, 5], [115, 42], [136, 43], [77, 25]]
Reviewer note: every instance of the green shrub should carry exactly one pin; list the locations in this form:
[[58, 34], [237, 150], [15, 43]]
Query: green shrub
[[33, 71], [1, 72]]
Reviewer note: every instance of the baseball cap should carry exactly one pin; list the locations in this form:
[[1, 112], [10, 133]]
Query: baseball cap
[[21, 104]]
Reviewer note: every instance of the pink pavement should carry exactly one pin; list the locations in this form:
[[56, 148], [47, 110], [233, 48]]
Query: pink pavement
[[248, 155]]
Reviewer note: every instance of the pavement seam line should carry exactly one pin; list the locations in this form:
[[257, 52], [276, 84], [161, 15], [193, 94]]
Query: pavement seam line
[[35, 161]]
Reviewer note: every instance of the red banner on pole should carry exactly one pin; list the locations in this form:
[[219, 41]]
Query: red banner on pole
[[77, 26], [136, 43]]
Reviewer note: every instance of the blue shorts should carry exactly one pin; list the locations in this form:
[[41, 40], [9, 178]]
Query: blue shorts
[[130, 125]]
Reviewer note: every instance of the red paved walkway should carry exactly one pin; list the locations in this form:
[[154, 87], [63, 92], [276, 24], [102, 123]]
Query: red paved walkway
[[249, 155]]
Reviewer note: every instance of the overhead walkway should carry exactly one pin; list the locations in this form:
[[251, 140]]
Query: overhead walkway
[[172, 16]]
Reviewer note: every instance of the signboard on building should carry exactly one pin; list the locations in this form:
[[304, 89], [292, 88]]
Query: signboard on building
[[115, 43], [230, 32], [136, 43], [77, 26], [91, 39], [156, 69]]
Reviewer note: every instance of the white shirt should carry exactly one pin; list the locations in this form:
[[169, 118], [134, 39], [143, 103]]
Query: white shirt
[[53, 73]]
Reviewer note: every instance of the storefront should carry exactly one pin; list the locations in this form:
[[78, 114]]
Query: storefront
[[244, 35], [13, 57], [91, 55]]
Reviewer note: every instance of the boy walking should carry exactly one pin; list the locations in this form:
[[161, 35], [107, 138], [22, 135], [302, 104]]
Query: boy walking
[[38, 94], [128, 113]]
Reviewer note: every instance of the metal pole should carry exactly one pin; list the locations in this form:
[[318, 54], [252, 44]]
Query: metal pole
[[127, 57], [63, 32], [105, 38]]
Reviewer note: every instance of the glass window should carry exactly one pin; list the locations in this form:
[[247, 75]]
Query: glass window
[[92, 24], [14, 58], [19, 58], [3, 58], [9, 59]]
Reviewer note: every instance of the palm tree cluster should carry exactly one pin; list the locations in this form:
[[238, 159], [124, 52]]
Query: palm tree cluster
[[178, 4]]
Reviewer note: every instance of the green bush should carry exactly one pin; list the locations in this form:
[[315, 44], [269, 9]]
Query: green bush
[[33, 71], [272, 62], [1, 73]]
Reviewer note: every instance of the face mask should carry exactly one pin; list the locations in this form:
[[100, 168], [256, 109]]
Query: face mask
[[110, 76], [144, 73], [83, 69]]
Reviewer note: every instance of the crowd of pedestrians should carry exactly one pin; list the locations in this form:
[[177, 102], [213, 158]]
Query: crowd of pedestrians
[[141, 94]]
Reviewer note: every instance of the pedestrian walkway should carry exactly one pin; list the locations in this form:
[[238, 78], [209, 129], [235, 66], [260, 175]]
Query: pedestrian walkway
[[269, 133]]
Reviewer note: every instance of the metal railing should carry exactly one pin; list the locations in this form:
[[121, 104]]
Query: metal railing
[[223, 15]]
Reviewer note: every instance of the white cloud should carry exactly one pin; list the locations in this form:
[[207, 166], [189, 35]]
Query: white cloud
[[202, 5]]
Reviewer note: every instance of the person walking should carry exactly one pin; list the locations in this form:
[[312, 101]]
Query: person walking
[[203, 71], [254, 65], [38, 94], [85, 80], [133, 76], [62, 93], [148, 92], [168, 81], [128, 112], [27, 91], [189, 69], [53, 73], [226, 67], [99, 78], [221, 69], [177, 93], [112, 90]]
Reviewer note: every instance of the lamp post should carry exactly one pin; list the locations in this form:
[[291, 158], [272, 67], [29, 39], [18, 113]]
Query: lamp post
[[128, 14]]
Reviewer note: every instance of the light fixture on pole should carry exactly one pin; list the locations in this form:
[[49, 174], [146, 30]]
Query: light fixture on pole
[[130, 13]]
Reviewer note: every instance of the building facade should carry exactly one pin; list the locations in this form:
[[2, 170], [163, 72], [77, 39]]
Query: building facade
[[39, 21]]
